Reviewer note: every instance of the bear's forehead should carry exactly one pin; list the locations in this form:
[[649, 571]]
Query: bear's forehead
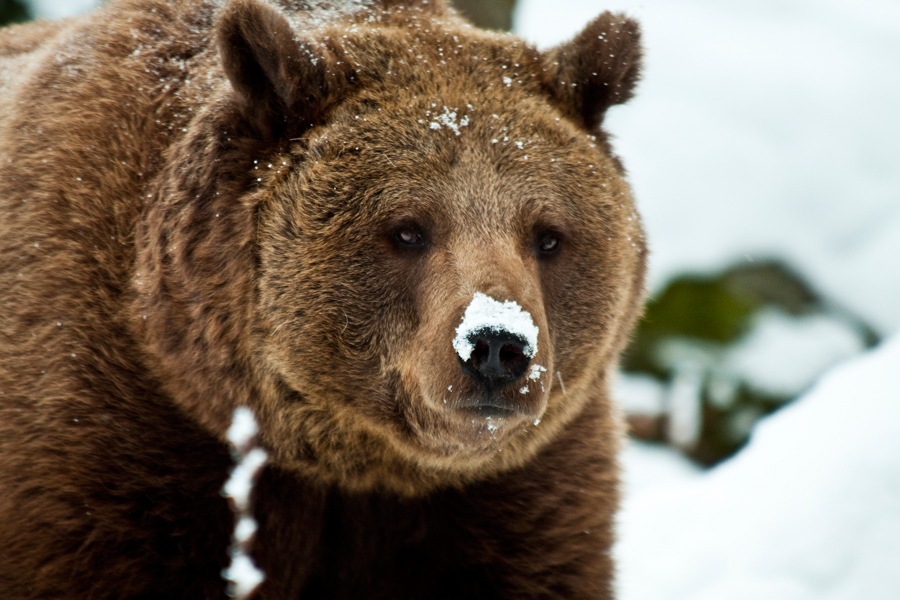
[[481, 159], [454, 163], [404, 106], [437, 69], [441, 110]]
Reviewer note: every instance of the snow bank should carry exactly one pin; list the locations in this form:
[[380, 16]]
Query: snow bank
[[762, 129], [810, 509]]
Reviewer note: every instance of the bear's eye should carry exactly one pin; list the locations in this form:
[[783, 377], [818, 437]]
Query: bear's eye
[[548, 244], [409, 237]]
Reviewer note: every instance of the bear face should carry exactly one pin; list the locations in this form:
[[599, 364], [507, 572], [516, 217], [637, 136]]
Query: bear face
[[410, 165], [415, 196], [374, 247]]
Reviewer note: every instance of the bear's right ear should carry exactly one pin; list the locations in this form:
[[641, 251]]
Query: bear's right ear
[[598, 68], [279, 80]]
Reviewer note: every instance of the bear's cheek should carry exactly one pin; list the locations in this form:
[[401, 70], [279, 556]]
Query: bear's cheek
[[590, 296], [322, 323], [577, 311]]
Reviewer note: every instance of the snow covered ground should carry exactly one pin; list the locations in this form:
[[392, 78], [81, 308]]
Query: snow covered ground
[[810, 509]]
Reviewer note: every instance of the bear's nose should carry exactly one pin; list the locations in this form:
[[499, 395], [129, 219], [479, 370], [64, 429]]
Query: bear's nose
[[498, 357]]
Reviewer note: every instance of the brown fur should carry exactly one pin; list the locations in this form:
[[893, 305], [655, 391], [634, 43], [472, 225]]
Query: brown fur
[[196, 212]]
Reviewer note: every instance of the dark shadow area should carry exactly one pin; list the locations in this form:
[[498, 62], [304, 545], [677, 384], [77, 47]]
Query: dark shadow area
[[13, 11]]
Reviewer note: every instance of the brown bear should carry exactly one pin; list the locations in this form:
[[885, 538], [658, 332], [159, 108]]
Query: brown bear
[[403, 242]]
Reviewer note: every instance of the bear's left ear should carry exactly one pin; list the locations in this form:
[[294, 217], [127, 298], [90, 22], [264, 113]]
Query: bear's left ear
[[598, 68], [277, 78]]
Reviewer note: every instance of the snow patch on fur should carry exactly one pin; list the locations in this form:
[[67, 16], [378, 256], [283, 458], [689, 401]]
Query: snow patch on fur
[[242, 574], [485, 313]]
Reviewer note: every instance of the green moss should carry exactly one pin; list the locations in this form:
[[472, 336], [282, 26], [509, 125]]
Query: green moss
[[699, 308]]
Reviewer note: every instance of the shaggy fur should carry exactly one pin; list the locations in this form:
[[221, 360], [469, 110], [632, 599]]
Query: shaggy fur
[[201, 208]]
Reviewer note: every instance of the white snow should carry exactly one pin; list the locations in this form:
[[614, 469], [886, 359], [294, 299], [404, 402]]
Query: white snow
[[650, 468], [810, 509], [448, 119], [536, 371], [245, 575], [782, 355], [240, 485], [245, 529], [243, 427], [485, 313], [762, 129], [685, 406], [640, 394], [242, 574]]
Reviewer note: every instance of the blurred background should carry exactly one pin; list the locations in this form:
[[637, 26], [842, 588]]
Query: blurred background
[[763, 384]]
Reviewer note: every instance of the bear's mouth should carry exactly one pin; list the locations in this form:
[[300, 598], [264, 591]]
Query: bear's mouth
[[484, 405], [487, 411]]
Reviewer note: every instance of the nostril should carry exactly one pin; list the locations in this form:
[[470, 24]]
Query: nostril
[[510, 352], [480, 353], [513, 358], [497, 358]]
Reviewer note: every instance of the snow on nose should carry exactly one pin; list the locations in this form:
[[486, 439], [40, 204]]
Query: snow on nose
[[485, 313]]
